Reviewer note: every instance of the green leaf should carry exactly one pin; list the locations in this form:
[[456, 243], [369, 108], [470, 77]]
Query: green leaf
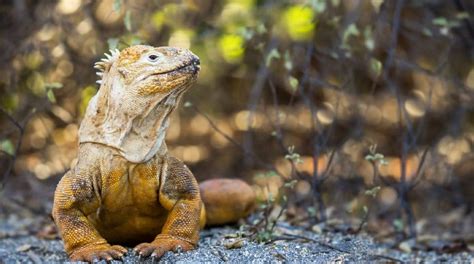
[[378, 156], [127, 20], [51, 96], [117, 5], [376, 4], [54, 85], [440, 21], [7, 146], [291, 149], [273, 54], [462, 15], [271, 199], [135, 41], [291, 184], [318, 5], [369, 39], [271, 173], [293, 83], [246, 33], [369, 157], [376, 66], [261, 28], [10, 102], [311, 211], [427, 32], [398, 224], [188, 104], [264, 236], [295, 157], [366, 210], [113, 43], [351, 30], [373, 192], [288, 62]]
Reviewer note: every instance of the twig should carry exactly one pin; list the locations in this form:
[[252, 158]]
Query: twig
[[393, 38], [420, 171], [268, 166], [21, 130], [254, 97]]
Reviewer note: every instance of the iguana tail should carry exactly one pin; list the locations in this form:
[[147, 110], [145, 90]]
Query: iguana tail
[[226, 200]]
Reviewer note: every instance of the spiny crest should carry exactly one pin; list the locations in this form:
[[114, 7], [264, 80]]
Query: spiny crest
[[103, 66]]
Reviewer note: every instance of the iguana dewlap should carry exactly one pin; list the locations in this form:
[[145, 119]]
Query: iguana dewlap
[[125, 188]]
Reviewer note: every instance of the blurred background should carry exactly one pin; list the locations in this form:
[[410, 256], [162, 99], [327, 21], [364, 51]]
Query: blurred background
[[350, 112]]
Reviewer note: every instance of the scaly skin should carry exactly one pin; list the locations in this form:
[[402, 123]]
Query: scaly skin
[[125, 188]]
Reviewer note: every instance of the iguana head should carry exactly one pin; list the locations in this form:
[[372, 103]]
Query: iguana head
[[140, 87]]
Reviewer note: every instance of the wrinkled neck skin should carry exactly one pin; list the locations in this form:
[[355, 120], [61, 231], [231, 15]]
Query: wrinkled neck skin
[[133, 124]]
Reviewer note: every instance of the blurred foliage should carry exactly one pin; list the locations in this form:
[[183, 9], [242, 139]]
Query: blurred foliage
[[291, 82]]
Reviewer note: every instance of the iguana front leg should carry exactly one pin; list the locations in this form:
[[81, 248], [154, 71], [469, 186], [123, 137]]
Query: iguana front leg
[[75, 195], [179, 194]]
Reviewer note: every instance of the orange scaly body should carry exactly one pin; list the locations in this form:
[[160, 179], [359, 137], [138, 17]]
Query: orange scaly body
[[125, 188]]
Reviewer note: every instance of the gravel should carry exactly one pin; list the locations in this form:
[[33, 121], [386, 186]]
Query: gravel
[[214, 248]]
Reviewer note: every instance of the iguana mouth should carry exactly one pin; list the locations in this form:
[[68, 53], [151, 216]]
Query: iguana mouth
[[192, 66]]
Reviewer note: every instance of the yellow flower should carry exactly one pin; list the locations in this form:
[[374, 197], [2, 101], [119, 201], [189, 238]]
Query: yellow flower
[[299, 22], [231, 47]]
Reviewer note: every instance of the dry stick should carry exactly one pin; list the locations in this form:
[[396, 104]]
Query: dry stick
[[467, 21], [294, 171], [255, 94], [279, 135], [412, 66], [400, 63], [268, 166], [404, 187], [17, 147], [363, 222], [315, 182], [438, 70], [420, 170], [402, 115]]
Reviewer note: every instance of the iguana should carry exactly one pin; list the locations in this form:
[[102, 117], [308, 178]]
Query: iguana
[[126, 189]]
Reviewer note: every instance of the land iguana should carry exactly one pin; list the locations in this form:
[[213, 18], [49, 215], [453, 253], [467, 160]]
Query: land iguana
[[126, 189]]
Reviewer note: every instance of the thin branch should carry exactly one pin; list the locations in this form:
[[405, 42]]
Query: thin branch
[[255, 95], [268, 166], [21, 130], [329, 166], [420, 170]]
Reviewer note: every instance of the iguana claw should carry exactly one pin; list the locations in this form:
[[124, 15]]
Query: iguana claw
[[98, 252]]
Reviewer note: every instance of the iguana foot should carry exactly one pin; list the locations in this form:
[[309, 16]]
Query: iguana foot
[[161, 245], [92, 253]]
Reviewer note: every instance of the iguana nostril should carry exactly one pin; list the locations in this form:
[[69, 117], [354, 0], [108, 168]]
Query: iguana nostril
[[196, 61]]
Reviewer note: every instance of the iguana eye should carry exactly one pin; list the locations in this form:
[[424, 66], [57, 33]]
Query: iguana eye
[[153, 57]]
